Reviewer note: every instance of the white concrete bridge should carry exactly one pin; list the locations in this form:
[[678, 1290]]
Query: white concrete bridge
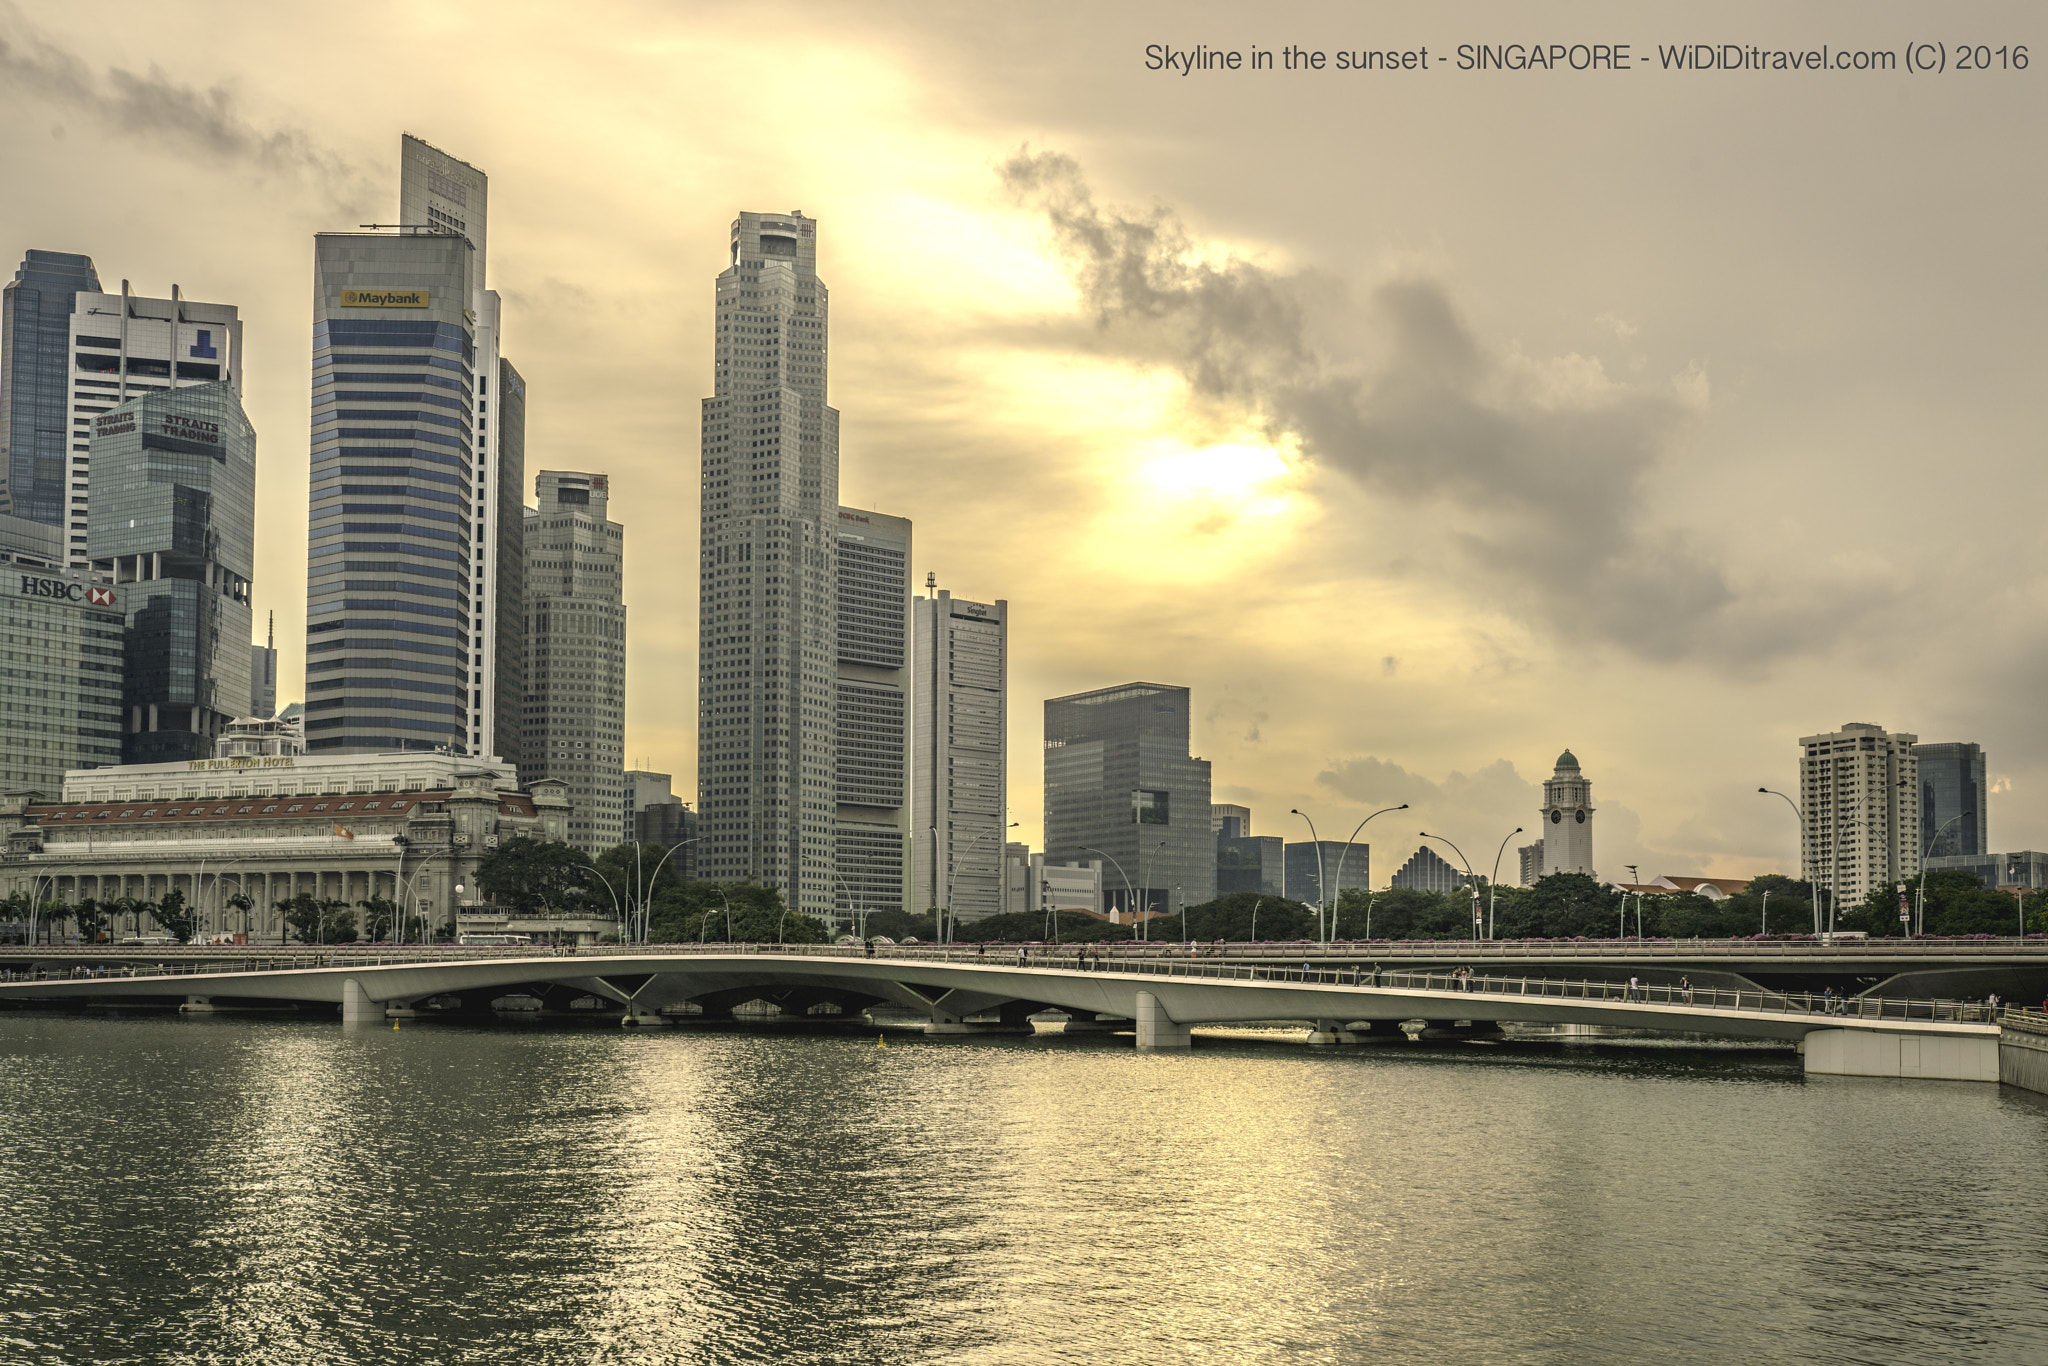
[[1158, 997]]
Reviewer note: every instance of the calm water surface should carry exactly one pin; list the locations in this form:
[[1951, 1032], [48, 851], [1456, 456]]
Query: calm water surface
[[249, 1190]]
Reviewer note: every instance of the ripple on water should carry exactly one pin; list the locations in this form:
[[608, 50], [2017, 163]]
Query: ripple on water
[[250, 1190]]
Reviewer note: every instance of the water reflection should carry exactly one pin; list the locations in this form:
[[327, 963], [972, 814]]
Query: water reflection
[[255, 1190]]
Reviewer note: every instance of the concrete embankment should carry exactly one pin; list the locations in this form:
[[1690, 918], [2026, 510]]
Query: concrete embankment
[[2023, 1051]]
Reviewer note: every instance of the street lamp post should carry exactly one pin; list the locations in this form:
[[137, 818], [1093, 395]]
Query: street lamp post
[[1144, 919], [1493, 887], [947, 919], [1130, 897], [1813, 882], [1765, 927], [1322, 885], [1926, 854], [1337, 895], [1471, 882]]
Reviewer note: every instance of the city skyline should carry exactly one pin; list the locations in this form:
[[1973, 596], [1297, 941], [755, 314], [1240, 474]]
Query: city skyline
[[1727, 377]]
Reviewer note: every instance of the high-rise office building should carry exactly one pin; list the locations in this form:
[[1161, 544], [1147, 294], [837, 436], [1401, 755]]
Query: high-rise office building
[[1955, 799], [644, 787], [37, 426], [768, 611], [124, 345], [1428, 871], [960, 678], [872, 835], [60, 694], [1221, 816], [576, 655], [1345, 865], [263, 675], [1567, 817], [1246, 862], [414, 613], [1529, 860], [1860, 796], [1120, 784], [173, 524], [439, 191]]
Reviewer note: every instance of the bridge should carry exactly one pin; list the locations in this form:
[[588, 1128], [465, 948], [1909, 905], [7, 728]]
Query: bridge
[[1159, 995]]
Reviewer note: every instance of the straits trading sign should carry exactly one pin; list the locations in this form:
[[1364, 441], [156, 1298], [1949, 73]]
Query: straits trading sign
[[242, 761], [384, 298]]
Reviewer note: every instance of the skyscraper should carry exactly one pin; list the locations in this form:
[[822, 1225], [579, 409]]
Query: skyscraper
[[413, 601], [439, 191], [125, 344], [1860, 794], [173, 523], [871, 840], [1955, 799], [60, 694], [959, 782], [1567, 817], [768, 587], [1119, 780], [36, 424], [576, 655]]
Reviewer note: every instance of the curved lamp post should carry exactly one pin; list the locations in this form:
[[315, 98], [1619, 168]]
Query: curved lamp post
[[947, 919], [1130, 897], [1924, 856], [1493, 888], [1800, 816], [1322, 886], [1337, 896], [1470, 881], [1145, 921]]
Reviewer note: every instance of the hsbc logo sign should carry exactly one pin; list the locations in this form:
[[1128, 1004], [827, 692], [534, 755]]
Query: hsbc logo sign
[[65, 590]]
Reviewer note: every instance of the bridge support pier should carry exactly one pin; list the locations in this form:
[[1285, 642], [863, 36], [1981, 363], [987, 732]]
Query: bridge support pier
[[1087, 1023], [1157, 1029], [356, 1006], [1333, 1032], [1880, 1053], [197, 1005], [642, 1017], [1458, 1029]]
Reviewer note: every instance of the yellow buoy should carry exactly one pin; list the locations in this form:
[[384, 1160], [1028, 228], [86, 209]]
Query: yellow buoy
[[394, 1024], [880, 1042]]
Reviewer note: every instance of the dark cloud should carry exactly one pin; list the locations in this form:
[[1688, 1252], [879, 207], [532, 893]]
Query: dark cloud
[[1537, 473], [208, 124]]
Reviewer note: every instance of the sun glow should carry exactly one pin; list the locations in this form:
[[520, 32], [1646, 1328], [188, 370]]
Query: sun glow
[[1231, 469]]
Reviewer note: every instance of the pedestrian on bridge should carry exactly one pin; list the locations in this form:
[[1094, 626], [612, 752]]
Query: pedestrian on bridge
[[1634, 990]]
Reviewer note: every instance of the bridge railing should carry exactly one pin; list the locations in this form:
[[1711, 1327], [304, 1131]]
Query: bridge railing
[[1359, 977]]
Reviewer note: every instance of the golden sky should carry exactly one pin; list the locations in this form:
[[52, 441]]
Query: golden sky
[[1423, 423]]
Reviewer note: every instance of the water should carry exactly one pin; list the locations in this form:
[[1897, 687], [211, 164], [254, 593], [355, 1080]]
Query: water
[[258, 1190]]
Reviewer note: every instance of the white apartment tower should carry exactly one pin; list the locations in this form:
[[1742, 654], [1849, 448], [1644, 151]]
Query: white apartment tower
[[1567, 819], [872, 836], [1859, 797], [575, 655], [959, 774], [124, 346], [767, 759]]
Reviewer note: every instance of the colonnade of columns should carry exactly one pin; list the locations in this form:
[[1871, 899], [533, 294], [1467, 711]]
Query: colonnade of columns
[[207, 893]]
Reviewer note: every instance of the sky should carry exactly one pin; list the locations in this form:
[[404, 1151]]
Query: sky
[[1423, 422]]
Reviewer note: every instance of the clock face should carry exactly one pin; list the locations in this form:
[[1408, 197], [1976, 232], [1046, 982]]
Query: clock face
[[1556, 816], [1580, 818]]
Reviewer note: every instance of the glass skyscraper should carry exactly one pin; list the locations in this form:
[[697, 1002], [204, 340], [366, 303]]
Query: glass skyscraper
[[1955, 799], [767, 761], [35, 381], [873, 710], [1120, 784], [392, 536], [173, 524]]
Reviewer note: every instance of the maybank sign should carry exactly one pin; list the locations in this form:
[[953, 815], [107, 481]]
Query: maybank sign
[[384, 298]]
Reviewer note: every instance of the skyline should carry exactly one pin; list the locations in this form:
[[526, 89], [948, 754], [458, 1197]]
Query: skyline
[[1771, 359]]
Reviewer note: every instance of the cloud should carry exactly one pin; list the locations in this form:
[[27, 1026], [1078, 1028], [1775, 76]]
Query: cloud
[[208, 124], [1535, 472]]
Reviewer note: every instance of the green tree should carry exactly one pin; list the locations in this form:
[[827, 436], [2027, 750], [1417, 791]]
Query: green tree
[[535, 876], [1565, 906], [243, 903], [735, 912], [323, 921], [379, 913], [902, 925], [174, 916], [91, 918]]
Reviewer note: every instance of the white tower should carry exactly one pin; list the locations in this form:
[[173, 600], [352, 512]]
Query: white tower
[[1567, 820]]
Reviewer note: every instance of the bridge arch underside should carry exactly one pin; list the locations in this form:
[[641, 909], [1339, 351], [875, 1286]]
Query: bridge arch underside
[[948, 992]]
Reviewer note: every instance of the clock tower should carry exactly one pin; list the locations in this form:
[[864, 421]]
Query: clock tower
[[1567, 820]]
